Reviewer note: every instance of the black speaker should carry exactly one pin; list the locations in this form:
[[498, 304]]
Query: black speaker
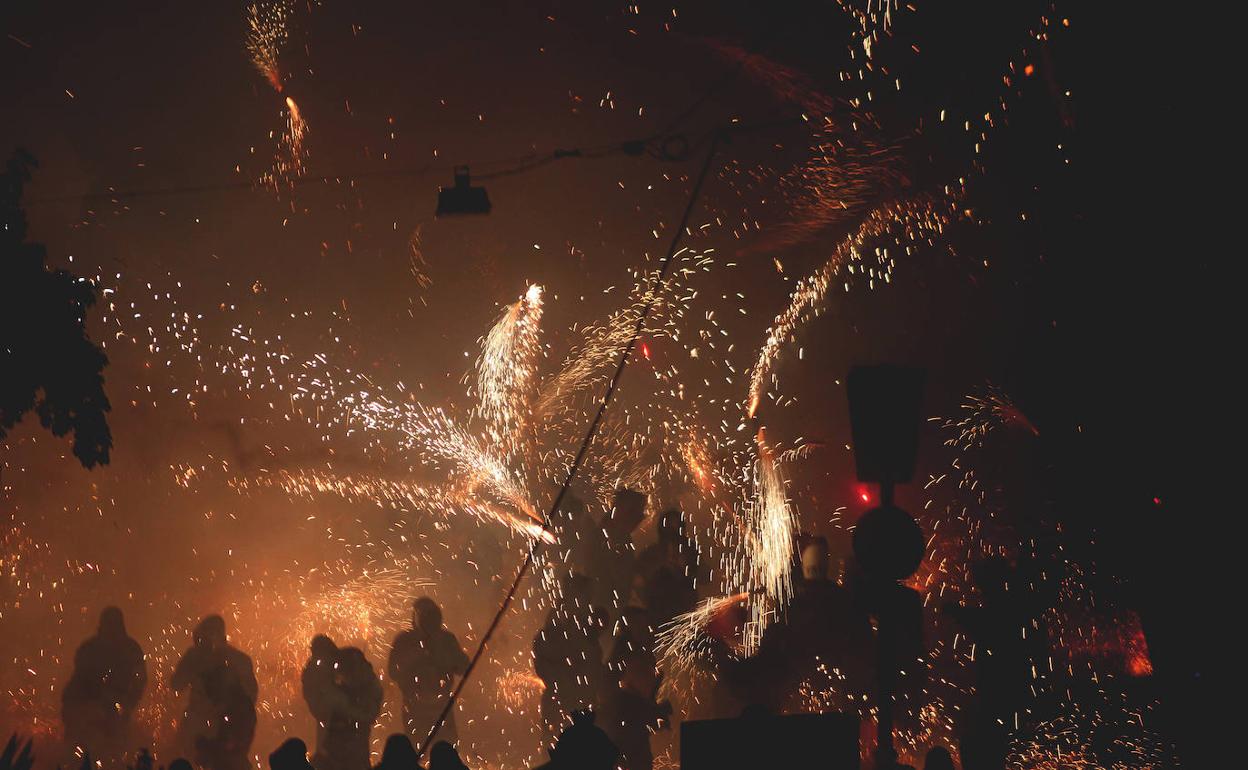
[[808, 741], [885, 404]]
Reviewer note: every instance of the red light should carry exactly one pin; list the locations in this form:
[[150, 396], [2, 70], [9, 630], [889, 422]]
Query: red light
[[1156, 501], [864, 495], [645, 350]]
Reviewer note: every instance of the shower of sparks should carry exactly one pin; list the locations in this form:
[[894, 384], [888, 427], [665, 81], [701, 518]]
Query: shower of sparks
[[866, 255], [268, 33], [507, 371], [519, 689], [772, 533], [684, 645], [982, 413], [267, 36]]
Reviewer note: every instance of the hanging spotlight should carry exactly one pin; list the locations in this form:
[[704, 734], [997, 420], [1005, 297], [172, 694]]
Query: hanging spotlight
[[463, 198]]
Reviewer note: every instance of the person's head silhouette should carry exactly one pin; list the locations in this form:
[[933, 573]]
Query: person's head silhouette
[[443, 756], [112, 623], [426, 615], [399, 754], [583, 745], [291, 755], [323, 648], [815, 559], [210, 632], [938, 758]]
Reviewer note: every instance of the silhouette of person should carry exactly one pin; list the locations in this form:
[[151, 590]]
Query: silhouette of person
[[424, 662], [398, 754], [144, 761], [567, 656], [1001, 677], [629, 714], [352, 703], [105, 687], [669, 568], [938, 758], [443, 756], [317, 681], [633, 634], [181, 764], [219, 720], [825, 629], [582, 746], [291, 755]]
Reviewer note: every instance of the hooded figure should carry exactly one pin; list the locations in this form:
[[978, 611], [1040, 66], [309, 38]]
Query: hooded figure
[[318, 683], [443, 756], [108, 680], [219, 720], [424, 662], [398, 754], [352, 705], [582, 746], [291, 755]]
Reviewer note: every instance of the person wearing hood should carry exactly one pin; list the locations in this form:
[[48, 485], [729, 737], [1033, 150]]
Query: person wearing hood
[[108, 680]]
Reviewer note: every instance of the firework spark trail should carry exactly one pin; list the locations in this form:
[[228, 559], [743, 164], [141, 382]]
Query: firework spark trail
[[982, 413], [440, 439], [1069, 742], [268, 33], [847, 168], [683, 645], [507, 371], [771, 534], [601, 344], [395, 493], [757, 538], [519, 689], [863, 254], [290, 161]]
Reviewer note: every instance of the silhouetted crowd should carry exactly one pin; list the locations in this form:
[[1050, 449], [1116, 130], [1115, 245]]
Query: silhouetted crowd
[[594, 654]]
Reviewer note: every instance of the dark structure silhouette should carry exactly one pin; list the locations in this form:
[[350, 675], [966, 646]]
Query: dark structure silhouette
[[48, 365], [398, 754], [443, 756], [219, 720], [98, 702], [567, 656], [884, 413], [291, 755], [582, 746], [424, 662]]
